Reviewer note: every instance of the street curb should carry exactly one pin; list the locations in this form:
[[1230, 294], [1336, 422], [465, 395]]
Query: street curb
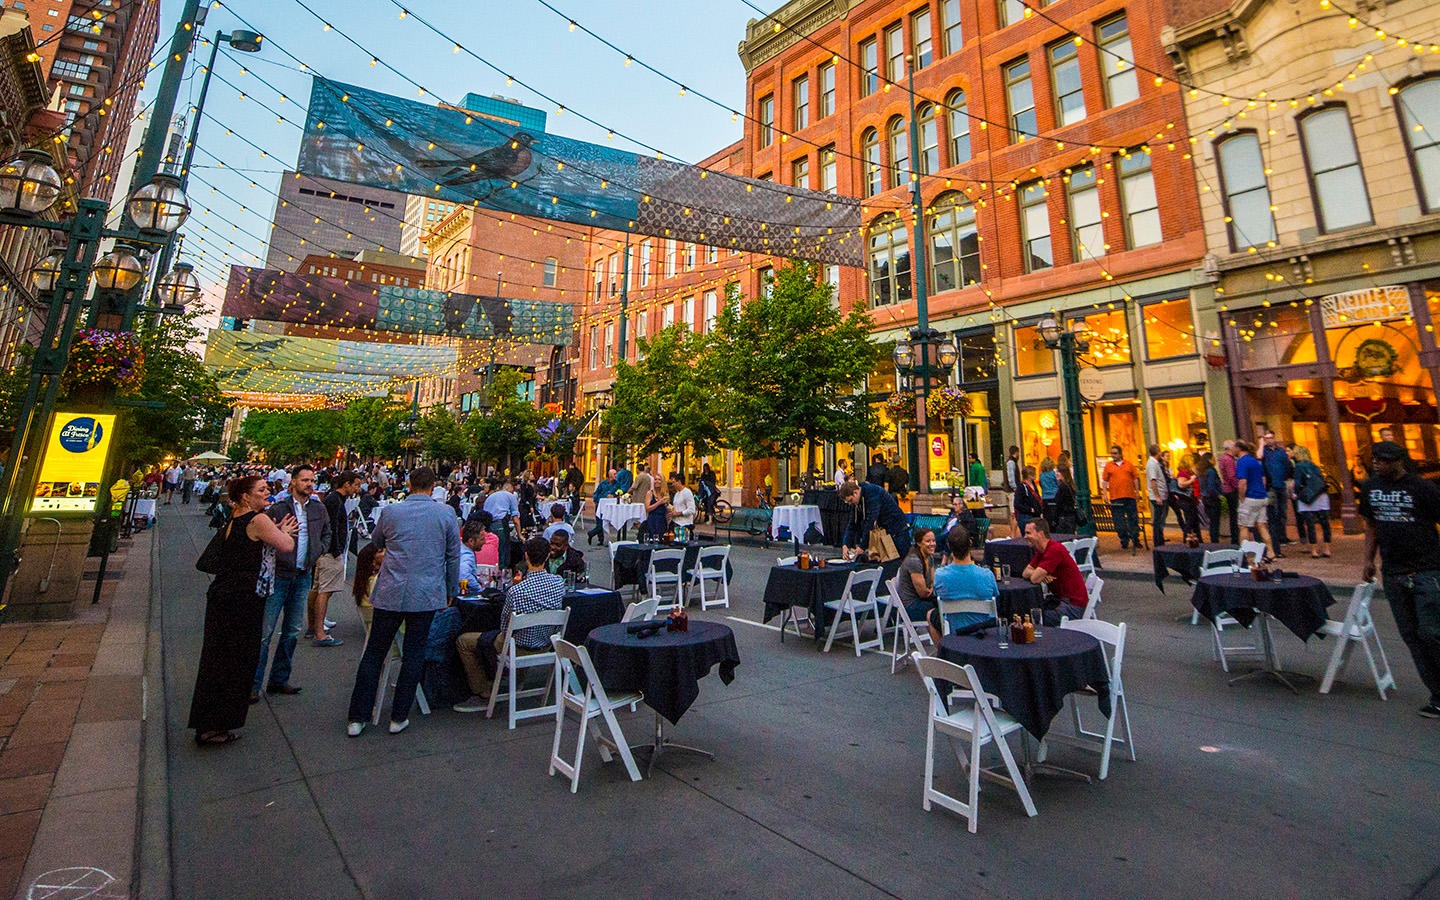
[[152, 839]]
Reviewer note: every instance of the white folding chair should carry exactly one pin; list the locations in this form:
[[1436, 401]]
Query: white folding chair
[[1094, 588], [1251, 552], [953, 607], [616, 545], [641, 609], [390, 673], [512, 661], [1082, 550], [1112, 639], [590, 702], [1357, 627], [1221, 562], [666, 568], [793, 614], [711, 564], [976, 722], [909, 637], [854, 609]]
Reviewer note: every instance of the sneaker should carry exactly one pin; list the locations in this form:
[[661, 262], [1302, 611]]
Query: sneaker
[[397, 727], [1430, 711], [327, 641], [475, 704], [354, 728], [330, 623]]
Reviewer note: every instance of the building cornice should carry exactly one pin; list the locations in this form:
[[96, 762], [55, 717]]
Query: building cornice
[[763, 42]]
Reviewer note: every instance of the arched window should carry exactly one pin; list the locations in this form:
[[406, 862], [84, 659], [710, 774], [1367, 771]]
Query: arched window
[[958, 126], [954, 243], [1418, 105], [1246, 193], [929, 158], [870, 153], [898, 137], [1337, 183], [889, 260]]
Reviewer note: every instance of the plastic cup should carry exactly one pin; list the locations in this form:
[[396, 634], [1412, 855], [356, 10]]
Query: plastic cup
[[1036, 617]]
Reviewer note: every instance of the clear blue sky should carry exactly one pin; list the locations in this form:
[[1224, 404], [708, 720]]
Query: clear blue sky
[[694, 43]]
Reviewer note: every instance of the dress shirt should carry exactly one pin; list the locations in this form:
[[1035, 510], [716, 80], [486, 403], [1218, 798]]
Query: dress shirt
[[421, 540], [502, 505], [536, 592], [684, 505]]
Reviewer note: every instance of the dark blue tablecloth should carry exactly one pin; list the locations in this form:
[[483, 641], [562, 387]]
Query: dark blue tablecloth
[[632, 561], [587, 612], [1182, 560], [667, 666], [812, 588], [1297, 601], [1032, 680]]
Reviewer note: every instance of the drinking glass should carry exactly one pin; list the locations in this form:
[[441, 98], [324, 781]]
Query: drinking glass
[[1005, 569], [1035, 616], [1002, 633]]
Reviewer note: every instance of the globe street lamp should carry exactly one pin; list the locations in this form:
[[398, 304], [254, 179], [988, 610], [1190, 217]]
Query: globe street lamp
[[1070, 340]]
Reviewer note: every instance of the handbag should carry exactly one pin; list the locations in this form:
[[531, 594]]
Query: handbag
[[212, 558], [882, 545]]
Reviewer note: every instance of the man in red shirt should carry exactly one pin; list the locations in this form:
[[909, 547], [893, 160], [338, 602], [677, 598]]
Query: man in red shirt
[[1052, 564]]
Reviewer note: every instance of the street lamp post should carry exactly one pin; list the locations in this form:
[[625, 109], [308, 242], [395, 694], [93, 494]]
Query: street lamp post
[[1071, 343], [912, 358], [920, 468]]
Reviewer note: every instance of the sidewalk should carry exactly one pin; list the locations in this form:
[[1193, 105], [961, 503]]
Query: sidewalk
[[71, 706]]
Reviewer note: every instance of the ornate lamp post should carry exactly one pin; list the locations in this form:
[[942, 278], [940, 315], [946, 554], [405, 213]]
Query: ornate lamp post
[[1071, 342]]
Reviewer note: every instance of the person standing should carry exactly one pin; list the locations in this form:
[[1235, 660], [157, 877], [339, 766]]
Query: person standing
[[1278, 472], [1250, 476], [1012, 468], [1028, 504], [293, 576], [682, 502], [1209, 480], [330, 567], [421, 540], [504, 510], [1401, 512], [1230, 487], [606, 488], [172, 481], [187, 481], [1157, 487], [640, 491], [1312, 503], [1117, 481], [574, 482], [977, 475], [657, 509], [709, 491], [877, 473], [624, 478], [899, 480], [841, 476], [875, 507], [234, 608]]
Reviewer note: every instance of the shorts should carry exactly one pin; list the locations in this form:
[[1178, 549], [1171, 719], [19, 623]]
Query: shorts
[[329, 574], [1252, 512]]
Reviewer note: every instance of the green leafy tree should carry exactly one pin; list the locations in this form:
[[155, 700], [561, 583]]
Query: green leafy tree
[[191, 409], [787, 368], [294, 436], [239, 450], [507, 427], [666, 401], [372, 427], [441, 436]]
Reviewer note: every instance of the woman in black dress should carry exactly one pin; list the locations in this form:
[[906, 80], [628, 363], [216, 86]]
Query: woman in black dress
[[234, 611]]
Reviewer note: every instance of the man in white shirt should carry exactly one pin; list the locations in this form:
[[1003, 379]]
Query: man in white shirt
[[172, 481], [557, 522], [504, 509], [682, 501], [1157, 484]]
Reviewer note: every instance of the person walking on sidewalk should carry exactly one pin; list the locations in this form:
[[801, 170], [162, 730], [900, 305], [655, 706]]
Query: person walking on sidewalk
[[172, 481], [1229, 488], [421, 540], [1401, 512], [187, 481], [293, 575], [1157, 486], [234, 608], [330, 567], [1118, 482]]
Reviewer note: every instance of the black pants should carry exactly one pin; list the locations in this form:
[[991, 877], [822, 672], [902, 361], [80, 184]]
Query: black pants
[[383, 627], [1415, 601], [1212, 512], [1232, 508], [1158, 513]]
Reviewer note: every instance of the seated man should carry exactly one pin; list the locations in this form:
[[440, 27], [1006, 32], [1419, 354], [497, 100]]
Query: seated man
[[961, 515], [563, 557], [474, 535], [1051, 564], [557, 522], [961, 580], [536, 591]]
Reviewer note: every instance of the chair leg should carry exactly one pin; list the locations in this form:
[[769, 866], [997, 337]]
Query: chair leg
[[1338, 657], [580, 747], [1220, 650], [1381, 681], [974, 778], [420, 700], [929, 764], [1015, 775], [1125, 720], [559, 732], [834, 627], [1108, 741], [621, 746], [855, 632], [500, 668]]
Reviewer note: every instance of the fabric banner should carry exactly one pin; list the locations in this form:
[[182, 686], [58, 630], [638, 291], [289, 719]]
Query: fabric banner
[[311, 300], [240, 350], [365, 137]]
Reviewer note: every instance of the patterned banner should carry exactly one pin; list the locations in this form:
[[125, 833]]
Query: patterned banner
[[364, 137]]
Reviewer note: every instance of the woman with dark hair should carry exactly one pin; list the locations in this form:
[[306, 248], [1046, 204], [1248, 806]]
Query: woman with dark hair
[[234, 611], [1064, 506], [916, 581], [367, 567]]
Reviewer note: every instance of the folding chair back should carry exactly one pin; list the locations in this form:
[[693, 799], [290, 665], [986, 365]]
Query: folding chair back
[[855, 601], [712, 565], [1251, 552], [641, 609], [1112, 644], [1094, 588], [1223, 562], [666, 566], [589, 702], [513, 661], [952, 607], [1082, 550], [909, 637], [786, 560], [1357, 627]]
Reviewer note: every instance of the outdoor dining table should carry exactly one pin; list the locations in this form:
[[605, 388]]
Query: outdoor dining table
[[590, 608], [1296, 601], [617, 515], [812, 588], [632, 561], [797, 519], [666, 666], [1012, 552], [1182, 560], [1018, 596]]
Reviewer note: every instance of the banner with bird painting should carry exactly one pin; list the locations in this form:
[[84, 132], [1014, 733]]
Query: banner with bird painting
[[448, 153]]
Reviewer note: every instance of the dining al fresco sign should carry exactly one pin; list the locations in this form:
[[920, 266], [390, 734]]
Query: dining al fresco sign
[[1377, 304]]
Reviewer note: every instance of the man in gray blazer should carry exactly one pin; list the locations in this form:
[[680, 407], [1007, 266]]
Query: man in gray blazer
[[421, 572], [293, 574]]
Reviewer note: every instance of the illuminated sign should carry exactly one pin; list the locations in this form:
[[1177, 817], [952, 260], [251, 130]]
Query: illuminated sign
[[74, 463]]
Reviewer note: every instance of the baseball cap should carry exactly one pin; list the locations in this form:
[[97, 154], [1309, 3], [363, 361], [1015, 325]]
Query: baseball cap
[[1389, 451]]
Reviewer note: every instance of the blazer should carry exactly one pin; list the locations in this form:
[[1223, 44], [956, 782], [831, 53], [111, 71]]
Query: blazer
[[317, 532], [1027, 502], [421, 540]]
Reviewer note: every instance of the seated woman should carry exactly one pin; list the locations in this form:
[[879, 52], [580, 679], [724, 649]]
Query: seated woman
[[961, 580], [961, 515], [489, 552], [916, 581], [367, 567]]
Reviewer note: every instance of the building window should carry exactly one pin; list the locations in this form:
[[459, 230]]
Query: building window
[[669, 258], [667, 316], [1419, 107], [647, 249], [950, 23], [889, 261], [1169, 329], [594, 346], [898, 138], [599, 277], [1087, 233], [689, 256], [1117, 61], [929, 140], [832, 278], [552, 269], [1065, 79], [954, 243], [800, 172], [1012, 11], [712, 253], [612, 269], [610, 344], [895, 54], [869, 67], [1020, 96], [1250, 218], [922, 42], [1336, 181], [1138, 200], [870, 154], [1109, 335], [688, 315], [767, 280], [959, 127], [800, 91], [1181, 426], [827, 169], [1041, 435], [1035, 227], [642, 318], [1032, 357], [712, 309], [767, 120], [827, 91]]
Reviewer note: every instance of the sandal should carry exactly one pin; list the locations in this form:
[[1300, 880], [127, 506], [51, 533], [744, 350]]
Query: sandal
[[216, 738]]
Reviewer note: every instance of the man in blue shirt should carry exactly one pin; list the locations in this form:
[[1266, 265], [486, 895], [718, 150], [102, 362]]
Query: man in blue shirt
[[624, 479], [504, 508], [606, 488], [962, 580], [1250, 474], [1278, 472]]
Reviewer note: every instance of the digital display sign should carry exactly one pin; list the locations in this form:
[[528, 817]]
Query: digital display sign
[[74, 463]]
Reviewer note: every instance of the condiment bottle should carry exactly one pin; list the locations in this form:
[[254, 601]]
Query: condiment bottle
[[682, 620], [1017, 630], [1029, 629], [802, 561]]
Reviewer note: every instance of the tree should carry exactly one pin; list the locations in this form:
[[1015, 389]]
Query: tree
[[291, 437], [787, 368], [666, 400], [192, 409], [507, 427], [441, 436], [239, 450], [371, 427]]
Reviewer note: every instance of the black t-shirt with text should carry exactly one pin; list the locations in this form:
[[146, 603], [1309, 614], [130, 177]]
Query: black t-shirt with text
[[1405, 513]]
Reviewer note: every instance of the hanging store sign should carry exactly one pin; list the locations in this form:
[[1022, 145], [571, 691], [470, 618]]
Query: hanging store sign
[[1377, 304], [73, 466], [1092, 384]]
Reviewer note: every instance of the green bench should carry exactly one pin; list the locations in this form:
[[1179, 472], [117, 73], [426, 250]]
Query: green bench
[[748, 521]]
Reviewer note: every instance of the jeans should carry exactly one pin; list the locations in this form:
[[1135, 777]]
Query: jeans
[[1415, 602], [289, 595], [1065, 609], [1275, 516], [1127, 521], [1212, 512], [1308, 521], [384, 625], [185, 490], [1158, 514], [1232, 506], [502, 531]]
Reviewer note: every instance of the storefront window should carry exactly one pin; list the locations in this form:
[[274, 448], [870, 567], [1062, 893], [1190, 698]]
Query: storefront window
[[1032, 357], [1181, 427], [1169, 329], [1039, 435], [1109, 336], [1273, 336]]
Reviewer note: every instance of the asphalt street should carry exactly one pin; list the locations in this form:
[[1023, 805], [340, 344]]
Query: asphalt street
[[1241, 790]]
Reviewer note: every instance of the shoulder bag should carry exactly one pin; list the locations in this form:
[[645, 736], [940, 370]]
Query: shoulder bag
[[212, 558]]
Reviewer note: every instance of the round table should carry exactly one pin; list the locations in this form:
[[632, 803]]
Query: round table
[[618, 515], [812, 588], [1012, 552], [797, 518], [666, 666], [1018, 596], [590, 608], [1032, 679], [1297, 601], [1182, 560], [632, 561]]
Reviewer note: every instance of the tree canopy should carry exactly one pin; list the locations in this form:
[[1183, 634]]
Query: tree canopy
[[441, 437], [295, 436], [192, 411], [372, 427], [666, 400], [507, 427]]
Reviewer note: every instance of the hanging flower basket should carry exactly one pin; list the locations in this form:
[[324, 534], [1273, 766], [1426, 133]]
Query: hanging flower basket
[[100, 358], [947, 403], [900, 407]]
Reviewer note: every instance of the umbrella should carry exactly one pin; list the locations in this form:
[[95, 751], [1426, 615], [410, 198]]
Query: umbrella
[[209, 456]]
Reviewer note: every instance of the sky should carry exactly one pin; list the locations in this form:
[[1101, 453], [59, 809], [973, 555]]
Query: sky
[[242, 147]]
